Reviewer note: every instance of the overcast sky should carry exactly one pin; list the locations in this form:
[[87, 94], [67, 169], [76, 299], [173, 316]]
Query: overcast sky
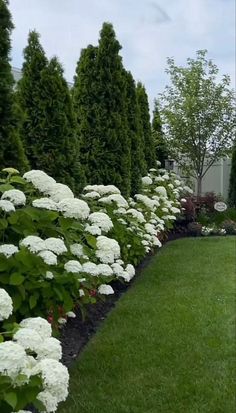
[[148, 30]]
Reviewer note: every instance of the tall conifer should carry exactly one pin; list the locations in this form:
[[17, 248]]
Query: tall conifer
[[138, 163], [161, 150], [149, 147], [11, 148], [106, 148], [49, 127]]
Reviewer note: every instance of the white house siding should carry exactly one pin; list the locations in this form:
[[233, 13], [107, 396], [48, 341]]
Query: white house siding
[[216, 179]]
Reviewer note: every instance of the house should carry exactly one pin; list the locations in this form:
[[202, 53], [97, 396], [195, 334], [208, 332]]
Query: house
[[216, 179]]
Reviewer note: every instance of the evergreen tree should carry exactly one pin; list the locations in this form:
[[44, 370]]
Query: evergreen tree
[[105, 149], [49, 126], [11, 148], [138, 164], [159, 137], [232, 182], [149, 147], [85, 101], [29, 97]]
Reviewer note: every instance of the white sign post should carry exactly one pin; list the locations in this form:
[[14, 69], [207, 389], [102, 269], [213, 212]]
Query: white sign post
[[220, 206]]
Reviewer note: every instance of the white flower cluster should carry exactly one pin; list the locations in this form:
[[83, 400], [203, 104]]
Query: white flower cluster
[[34, 337], [15, 196], [45, 248], [107, 250], [102, 220], [6, 306], [8, 250]]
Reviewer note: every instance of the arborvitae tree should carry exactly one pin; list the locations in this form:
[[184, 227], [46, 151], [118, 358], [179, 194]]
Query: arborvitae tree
[[29, 97], [149, 147], [11, 149], [49, 126], [159, 137], [85, 101], [58, 153], [138, 163], [106, 151], [232, 182]]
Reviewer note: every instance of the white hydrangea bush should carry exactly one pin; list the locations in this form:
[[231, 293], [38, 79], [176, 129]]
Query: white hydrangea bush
[[30, 368], [58, 252], [58, 245]]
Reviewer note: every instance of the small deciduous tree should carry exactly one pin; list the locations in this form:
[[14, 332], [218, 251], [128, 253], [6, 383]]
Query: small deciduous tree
[[198, 115], [11, 148], [232, 182]]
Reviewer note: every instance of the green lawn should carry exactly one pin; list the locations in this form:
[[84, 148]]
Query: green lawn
[[169, 345]]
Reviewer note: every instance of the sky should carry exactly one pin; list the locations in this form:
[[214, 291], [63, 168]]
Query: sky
[[148, 30]]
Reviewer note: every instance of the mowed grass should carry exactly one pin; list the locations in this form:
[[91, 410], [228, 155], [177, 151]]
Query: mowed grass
[[169, 345]]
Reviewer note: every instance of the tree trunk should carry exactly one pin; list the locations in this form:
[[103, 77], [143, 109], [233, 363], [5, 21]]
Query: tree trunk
[[199, 186]]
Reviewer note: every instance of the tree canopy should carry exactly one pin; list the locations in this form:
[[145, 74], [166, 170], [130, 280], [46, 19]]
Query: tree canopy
[[198, 115], [11, 148]]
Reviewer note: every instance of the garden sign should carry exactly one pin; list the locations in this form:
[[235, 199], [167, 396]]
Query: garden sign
[[220, 206]]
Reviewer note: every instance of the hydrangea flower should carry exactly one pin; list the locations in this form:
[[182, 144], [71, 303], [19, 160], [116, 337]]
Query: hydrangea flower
[[93, 229], [74, 208], [118, 199], [108, 250], [49, 348], [6, 306], [105, 270], [148, 202], [38, 324], [73, 266], [175, 210], [102, 189], [16, 196], [6, 206], [136, 214], [55, 245], [130, 270], [150, 229], [33, 243], [59, 192], [77, 250], [105, 289], [71, 314], [48, 257], [161, 190], [29, 339], [40, 180], [49, 401], [146, 180], [49, 275], [8, 250], [92, 195], [13, 359], [90, 268], [45, 203], [117, 269], [102, 220], [55, 378]]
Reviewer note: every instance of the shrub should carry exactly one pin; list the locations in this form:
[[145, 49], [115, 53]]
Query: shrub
[[194, 229], [59, 252], [229, 226]]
